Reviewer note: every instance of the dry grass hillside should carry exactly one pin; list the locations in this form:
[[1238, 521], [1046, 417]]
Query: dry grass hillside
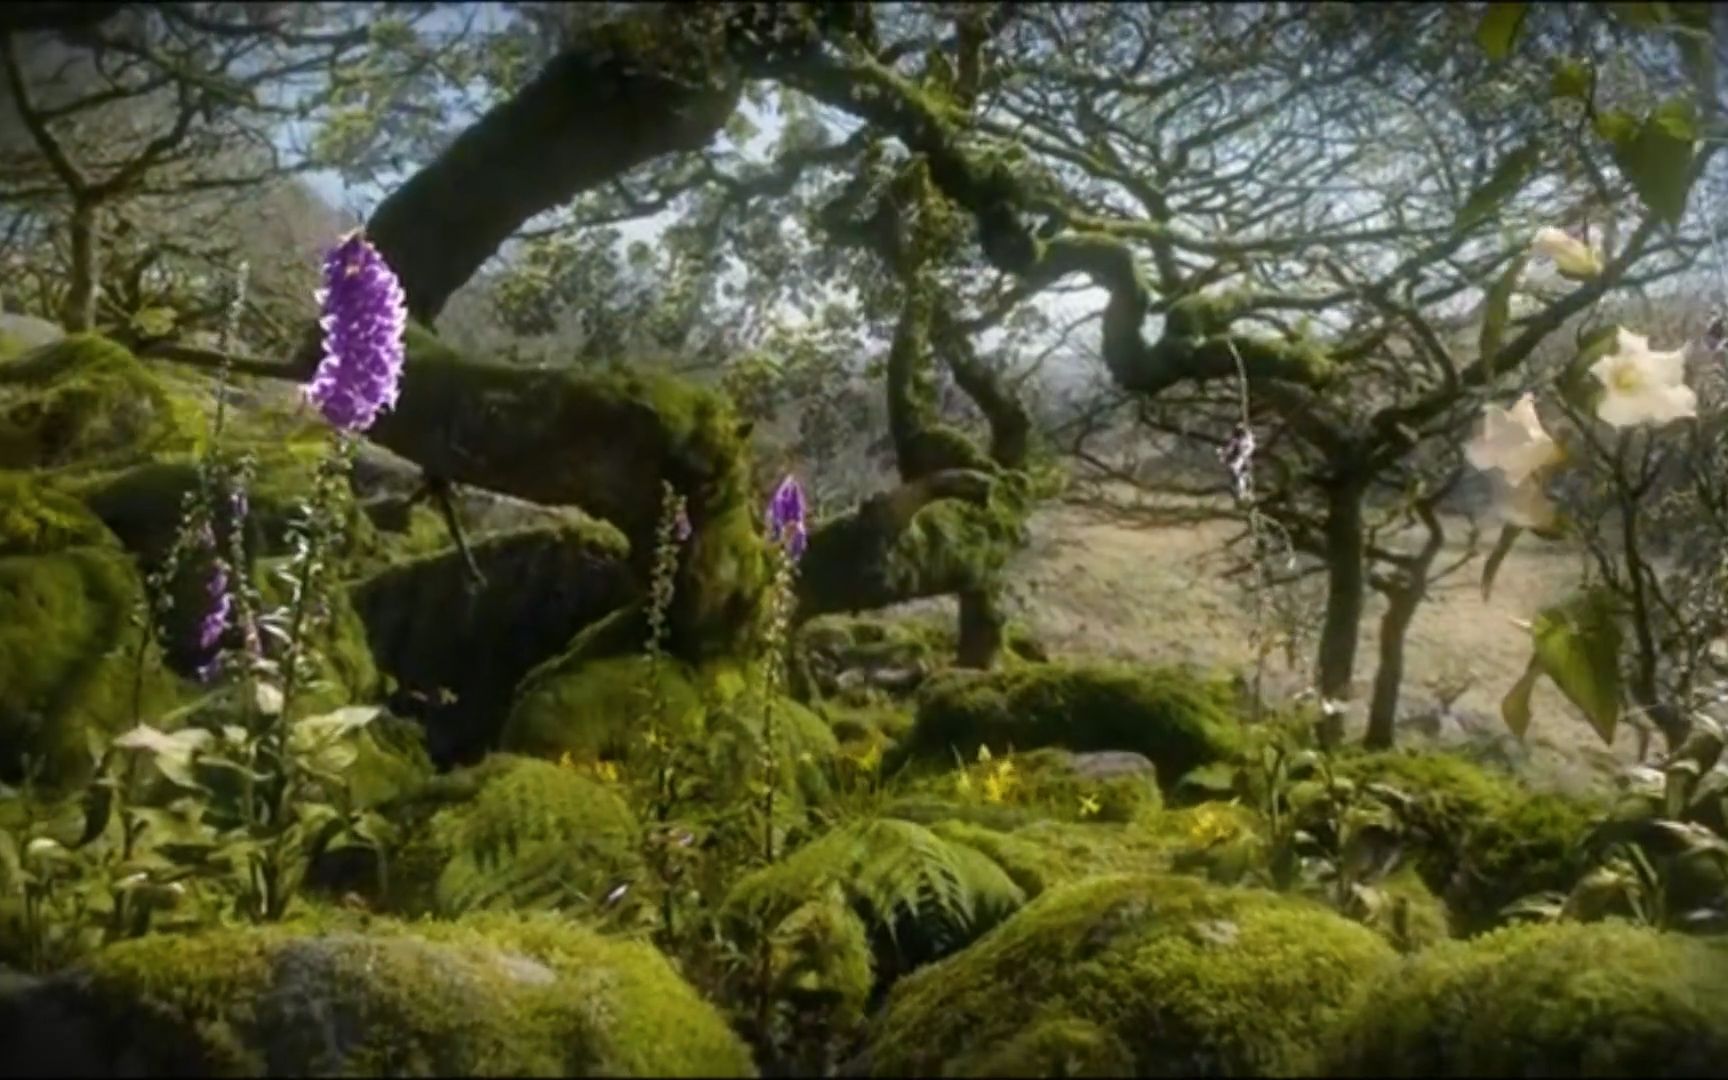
[[1138, 577]]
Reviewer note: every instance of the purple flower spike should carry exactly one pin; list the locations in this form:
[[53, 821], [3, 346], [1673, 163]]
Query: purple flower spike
[[681, 527], [364, 317], [786, 517], [221, 602]]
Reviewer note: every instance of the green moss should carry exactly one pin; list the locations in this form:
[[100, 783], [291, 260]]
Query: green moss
[[600, 710], [511, 831], [1061, 1046], [920, 897], [142, 502], [1175, 718], [68, 645], [36, 519], [485, 996], [1189, 979], [1041, 855], [85, 400], [1410, 917], [1484, 840], [1603, 999], [1043, 784], [603, 442]]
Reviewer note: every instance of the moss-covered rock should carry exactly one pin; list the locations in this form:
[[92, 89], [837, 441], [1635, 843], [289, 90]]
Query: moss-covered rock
[[486, 996], [919, 896], [1175, 976], [1060, 1046], [86, 401], [857, 657], [1174, 717], [457, 653], [36, 518], [602, 710], [1482, 839], [1045, 784], [1605, 999], [69, 652], [510, 832]]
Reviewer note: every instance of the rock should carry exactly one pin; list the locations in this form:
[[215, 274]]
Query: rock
[[1107, 764], [332, 995]]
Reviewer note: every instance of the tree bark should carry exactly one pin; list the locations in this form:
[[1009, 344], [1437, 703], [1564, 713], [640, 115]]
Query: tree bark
[[1346, 587], [982, 629], [1403, 598], [635, 90], [84, 286]]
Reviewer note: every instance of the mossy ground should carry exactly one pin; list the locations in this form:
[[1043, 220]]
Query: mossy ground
[[1176, 718], [1176, 976], [491, 995], [1605, 999]]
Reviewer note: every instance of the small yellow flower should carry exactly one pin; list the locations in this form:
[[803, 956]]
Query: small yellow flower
[[565, 761], [1089, 805], [994, 789], [654, 739], [1210, 826], [870, 758], [607, 771], [983, 752], [963, 782], [1006, 771]]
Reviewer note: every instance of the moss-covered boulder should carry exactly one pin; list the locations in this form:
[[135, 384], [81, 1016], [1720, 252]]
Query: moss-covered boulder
[[1604, 999], [424, 619], [510, 832], [919, 896], [36, 518], [1042, 784], [607, 710], [1156, 976], [87, 401], [1174, 717], [854, 657], [71, 670], [488, 996], [1481, 838]]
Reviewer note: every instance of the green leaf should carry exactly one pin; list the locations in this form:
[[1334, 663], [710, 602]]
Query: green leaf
[[1572, 79], [1578, 646], [1515, 707], [1616, 126], [1499, 308], [1577, 386], [1498, 29], [1658, 160], [1501, 185], [1502, 548]]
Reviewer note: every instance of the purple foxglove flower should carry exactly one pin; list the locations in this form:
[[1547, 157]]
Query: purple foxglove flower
[[364, 317], [786, 517], [221, 602]]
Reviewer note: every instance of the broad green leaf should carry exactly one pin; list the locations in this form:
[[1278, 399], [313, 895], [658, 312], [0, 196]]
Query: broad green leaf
[[1578, 646], [1572, 79], [1658, 160], [1498, 29], [1502, 548], [1501, 185], [1499, 308], [1515, 707]]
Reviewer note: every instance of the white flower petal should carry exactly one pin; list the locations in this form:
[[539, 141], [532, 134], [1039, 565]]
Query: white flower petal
[[1667, 368]]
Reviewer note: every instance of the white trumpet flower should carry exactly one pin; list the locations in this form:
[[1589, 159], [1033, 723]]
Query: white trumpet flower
[[1513, 441], [1643, 386], [1526, 504], [1571, 256]]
